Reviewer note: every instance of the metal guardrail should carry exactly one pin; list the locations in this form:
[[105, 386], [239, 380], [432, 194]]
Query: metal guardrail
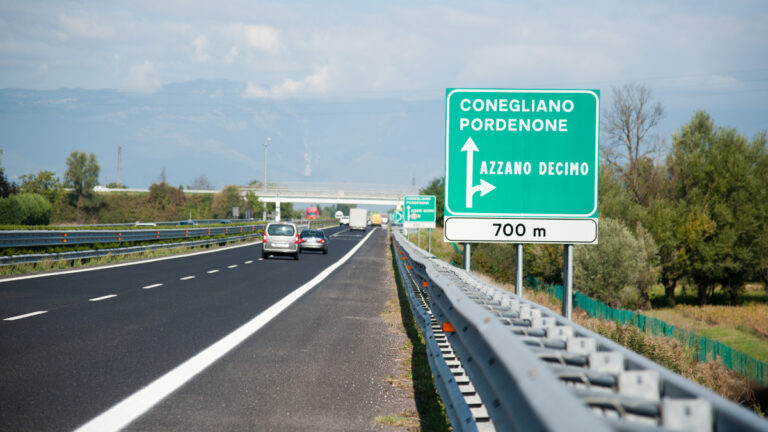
[[73, 255], [23, 238], [520, 366], [30, 238]]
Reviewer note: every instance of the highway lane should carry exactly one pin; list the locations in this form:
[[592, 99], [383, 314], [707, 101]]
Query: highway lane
[[61, 368], [325, 364]]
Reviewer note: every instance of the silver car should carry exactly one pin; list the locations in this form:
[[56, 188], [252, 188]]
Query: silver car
[[280, 238], [313, 240]]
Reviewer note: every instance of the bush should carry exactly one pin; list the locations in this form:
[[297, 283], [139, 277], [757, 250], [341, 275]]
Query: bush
[[619, 270], [25, 209]]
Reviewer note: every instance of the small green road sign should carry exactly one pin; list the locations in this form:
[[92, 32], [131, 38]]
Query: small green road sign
[[419, 211], [398, 219], [527, 154]]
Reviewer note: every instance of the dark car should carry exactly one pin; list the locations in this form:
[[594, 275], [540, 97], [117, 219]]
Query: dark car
[[280, 238], [313, 240]]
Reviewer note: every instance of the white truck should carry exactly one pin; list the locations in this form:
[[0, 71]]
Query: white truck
[[358, 219]]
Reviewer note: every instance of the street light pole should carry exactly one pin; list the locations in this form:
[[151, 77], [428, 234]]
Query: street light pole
[[266, 144]]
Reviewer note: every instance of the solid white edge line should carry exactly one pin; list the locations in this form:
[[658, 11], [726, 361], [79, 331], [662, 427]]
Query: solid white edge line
[[152, 286], [102, 298], [187, 278], [18, 317], [213, 271], [132, 407], [11, 279]]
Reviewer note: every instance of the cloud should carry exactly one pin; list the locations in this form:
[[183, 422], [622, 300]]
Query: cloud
[[142, 78], [259, 37], [316, 83], [201, 44], [232, 55], [308, 166], [83, 25]]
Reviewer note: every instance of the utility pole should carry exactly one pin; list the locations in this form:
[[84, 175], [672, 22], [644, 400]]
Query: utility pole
[[266, 144], [120, 166]]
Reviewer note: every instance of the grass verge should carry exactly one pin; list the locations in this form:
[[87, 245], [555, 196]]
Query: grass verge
[[415, 372]]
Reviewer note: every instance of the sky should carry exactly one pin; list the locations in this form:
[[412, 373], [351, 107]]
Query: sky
[[328, 79]]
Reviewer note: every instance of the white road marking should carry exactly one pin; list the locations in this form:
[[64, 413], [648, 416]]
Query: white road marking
[[34, 276], [260, 259], [213, 271], [31, 314], [132, 407], [102, 298], [249, 262], [152, 286], [187, 278], [232, 266]]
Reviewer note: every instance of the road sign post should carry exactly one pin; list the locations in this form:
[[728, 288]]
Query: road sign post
[[521, 166]]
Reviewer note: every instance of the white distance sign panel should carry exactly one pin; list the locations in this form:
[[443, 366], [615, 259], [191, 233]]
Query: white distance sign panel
[[515, 230]]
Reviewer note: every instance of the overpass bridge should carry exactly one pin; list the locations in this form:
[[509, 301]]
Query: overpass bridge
[[331, 193]]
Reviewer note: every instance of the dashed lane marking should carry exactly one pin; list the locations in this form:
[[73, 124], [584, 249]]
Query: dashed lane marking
[[232, 266], [213, 271], [249, 262], [187, 278], [102, 298], [31, 314], [152, 286]]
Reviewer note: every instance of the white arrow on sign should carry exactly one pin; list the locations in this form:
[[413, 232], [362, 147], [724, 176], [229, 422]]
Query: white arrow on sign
[[484, 187]]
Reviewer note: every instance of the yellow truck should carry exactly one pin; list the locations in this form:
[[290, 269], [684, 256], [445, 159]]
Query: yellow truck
[[376, 219]]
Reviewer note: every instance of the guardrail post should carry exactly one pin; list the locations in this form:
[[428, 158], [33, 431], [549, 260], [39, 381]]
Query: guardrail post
[[519, 270], [467, 253], [567, 280]]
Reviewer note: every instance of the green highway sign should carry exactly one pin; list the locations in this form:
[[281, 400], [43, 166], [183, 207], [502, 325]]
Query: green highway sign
[[527, 154], [398, 219], [419, 211]]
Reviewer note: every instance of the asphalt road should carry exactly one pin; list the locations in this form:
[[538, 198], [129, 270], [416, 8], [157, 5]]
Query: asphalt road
[[107, 334]]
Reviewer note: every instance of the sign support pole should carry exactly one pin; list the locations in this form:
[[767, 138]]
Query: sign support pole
[[519, 270], [429, 231], [467, 253], [567, 280], [418, 237]]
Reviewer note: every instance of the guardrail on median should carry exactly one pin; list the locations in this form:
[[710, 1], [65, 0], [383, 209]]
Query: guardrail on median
[[19, 238], [33, 238], [527, 368], [73, 255]]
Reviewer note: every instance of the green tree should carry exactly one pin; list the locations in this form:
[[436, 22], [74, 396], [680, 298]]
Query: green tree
[[45, 183], [25, 209], [720, 180], [665, 221], [620, 269], [256, 206], [6, 188], [82, 173], [226, 199], [436, 187], [166, 197]]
